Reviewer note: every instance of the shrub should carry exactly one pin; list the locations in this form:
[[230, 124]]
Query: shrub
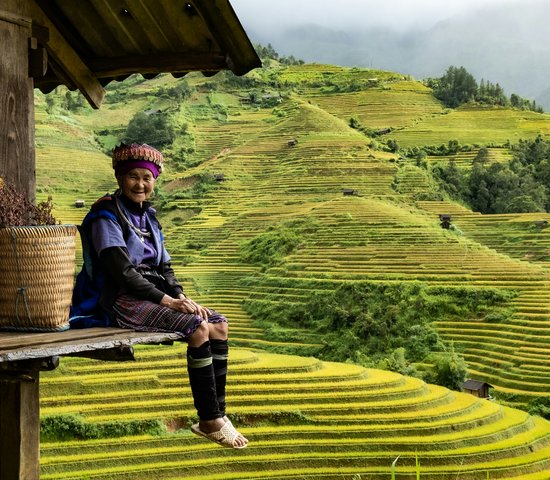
[[271, 246], [540, 406], [17, 210], [74, 427], [450, 370], [377, 324]]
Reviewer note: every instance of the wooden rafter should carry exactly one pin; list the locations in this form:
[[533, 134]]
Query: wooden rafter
[[68, 60], [168, 62]]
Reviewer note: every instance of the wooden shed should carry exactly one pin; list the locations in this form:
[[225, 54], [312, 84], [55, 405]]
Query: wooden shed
[[85, 44], [477, 388]]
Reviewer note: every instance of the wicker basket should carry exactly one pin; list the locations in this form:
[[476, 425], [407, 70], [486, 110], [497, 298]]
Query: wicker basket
[[37, 267]]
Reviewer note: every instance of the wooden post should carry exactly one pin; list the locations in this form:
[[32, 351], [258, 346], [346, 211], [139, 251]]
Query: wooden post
[[17, 157], [19, 424]]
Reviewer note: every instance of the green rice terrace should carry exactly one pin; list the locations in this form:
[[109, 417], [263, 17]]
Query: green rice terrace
[[274, 201]]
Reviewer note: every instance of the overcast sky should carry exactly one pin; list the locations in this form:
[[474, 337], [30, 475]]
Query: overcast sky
[[271, 15], [504, 41]]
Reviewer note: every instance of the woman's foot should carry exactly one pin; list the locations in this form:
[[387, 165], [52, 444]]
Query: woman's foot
[[219, 428], [242, 439]]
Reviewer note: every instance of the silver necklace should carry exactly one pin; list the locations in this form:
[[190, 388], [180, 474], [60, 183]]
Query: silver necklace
[[140, 233]]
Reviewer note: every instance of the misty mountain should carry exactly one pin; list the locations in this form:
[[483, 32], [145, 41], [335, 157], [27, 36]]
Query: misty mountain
[[509, 45]]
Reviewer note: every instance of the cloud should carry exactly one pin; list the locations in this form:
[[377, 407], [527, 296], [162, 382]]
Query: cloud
[[267, 17]]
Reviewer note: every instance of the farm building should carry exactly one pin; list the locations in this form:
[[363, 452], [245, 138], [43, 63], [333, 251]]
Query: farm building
[[477, 388]]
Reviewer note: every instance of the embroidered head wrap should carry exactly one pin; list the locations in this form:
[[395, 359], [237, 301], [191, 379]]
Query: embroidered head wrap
[[128, 157]]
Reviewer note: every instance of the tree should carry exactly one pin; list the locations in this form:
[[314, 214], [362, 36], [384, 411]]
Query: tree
[[456, 87], [482, 156], [505, 188], [452, 180], [155, 129], [392, 144], [491, 93], [450, 370]]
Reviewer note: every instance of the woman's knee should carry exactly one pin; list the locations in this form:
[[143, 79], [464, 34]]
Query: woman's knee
[[218, 330], [201, 334]]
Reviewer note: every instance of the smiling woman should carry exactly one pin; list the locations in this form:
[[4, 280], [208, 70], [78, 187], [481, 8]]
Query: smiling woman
[[127, 281], [137, 184]]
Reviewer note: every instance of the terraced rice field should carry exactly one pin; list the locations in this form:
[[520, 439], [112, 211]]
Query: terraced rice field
[[513, 355], [466, 159], [474, 125], [307, 418], [396, 106], [371, 236], [352, 421]]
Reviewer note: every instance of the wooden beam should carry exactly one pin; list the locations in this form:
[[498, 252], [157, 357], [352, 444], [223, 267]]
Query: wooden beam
[[38, 59], [168, 62], [67, 58], [16, 105], [20, 427], [16, 18], [117, 354]]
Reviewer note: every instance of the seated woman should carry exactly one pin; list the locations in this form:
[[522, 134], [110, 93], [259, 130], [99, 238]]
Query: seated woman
[[127, 281]]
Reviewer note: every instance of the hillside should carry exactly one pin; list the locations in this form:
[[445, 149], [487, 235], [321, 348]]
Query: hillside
[[282, 141]]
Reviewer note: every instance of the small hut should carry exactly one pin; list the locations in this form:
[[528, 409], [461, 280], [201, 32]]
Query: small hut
[[349, 192], [445, 220], [477, 388]]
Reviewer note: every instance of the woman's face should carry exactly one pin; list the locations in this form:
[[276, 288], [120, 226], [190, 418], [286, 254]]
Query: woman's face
[[137, 184]]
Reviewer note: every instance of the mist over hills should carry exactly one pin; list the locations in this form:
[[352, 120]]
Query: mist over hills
[[507, 45]]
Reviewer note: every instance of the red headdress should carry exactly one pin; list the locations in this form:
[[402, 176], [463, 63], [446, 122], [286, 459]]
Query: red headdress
[[127, 157]]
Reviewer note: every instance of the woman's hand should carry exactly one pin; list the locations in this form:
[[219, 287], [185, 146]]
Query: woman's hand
[[185, 305]]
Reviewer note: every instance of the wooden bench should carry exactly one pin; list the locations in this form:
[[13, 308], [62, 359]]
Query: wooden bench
[[22, 357]]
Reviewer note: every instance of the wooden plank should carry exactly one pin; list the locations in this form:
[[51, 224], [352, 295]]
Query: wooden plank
[[15, 17], [16, 346], [22, 339]]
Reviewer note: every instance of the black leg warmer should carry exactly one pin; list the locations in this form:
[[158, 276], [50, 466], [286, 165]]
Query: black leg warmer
[[203, 382], [220, 351]]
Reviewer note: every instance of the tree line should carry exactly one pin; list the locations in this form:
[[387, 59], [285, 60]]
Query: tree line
[[517, 186], [269, 53], [457, 86]]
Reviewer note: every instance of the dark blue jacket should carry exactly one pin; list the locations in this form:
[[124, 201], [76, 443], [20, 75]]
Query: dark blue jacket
[[95, 290]]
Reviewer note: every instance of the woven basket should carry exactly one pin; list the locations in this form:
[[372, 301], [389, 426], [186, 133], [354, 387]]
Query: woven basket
[[37, 267]]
